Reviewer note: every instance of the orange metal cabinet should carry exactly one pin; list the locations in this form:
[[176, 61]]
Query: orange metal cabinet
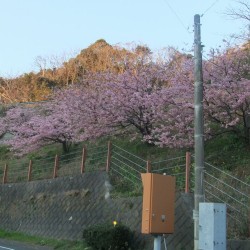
[[158, 204]]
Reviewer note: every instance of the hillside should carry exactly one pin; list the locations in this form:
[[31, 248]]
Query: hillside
[[62, 71]]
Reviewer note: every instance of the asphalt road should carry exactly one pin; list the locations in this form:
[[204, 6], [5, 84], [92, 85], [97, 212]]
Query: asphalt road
[[15, 245]]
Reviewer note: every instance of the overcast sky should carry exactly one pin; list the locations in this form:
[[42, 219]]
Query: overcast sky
[[31, 28]]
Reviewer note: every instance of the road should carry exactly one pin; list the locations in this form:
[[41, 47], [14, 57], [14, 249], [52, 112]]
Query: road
[[15, 245]]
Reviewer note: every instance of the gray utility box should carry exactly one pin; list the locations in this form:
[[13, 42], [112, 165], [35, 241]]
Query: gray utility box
[[212, 226]]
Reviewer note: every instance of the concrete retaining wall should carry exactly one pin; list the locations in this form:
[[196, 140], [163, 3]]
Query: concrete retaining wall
[[61, 208]]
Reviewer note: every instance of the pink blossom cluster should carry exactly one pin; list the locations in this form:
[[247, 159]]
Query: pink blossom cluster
[[151, 101]]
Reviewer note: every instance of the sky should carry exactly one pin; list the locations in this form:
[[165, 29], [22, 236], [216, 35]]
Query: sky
[[32, 28]]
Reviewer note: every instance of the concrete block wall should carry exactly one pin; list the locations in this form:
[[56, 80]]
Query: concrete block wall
[[61, 208]]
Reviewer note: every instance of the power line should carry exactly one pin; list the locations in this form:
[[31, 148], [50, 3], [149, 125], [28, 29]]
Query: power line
[[210, 7], [177, 16]]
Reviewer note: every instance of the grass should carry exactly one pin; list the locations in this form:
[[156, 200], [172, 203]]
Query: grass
[[55, 244], [231, 154], [124, 188], [147, 151], [226, 151]]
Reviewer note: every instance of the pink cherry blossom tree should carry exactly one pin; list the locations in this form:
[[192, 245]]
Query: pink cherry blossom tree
[[227, 91], [149, 100], [142, 102], [32, 128]]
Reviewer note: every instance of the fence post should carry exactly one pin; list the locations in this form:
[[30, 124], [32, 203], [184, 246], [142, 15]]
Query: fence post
[[149, 167], [84, 153], [188, 164], [30, 170], [108, 157], [56, 167], [5, 174]]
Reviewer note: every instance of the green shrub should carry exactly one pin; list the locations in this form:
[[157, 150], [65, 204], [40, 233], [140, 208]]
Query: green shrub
[[109, 237]]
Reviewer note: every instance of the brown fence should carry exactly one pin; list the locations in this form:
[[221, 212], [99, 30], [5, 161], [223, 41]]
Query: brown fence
[[109, 157]]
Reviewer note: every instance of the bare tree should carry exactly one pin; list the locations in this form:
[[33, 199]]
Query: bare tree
[[12, 91], [242, 13], [41, 63]]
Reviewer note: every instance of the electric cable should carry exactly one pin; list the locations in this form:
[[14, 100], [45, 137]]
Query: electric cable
[[178, 18], [210, 7]]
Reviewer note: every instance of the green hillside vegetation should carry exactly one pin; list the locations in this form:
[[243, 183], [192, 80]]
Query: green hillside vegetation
[[226, 152]]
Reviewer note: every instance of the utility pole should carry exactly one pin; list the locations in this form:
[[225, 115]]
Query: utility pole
[[198, 129]]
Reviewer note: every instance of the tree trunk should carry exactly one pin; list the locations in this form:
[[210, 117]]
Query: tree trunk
[[247, 135], [66, 146]]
